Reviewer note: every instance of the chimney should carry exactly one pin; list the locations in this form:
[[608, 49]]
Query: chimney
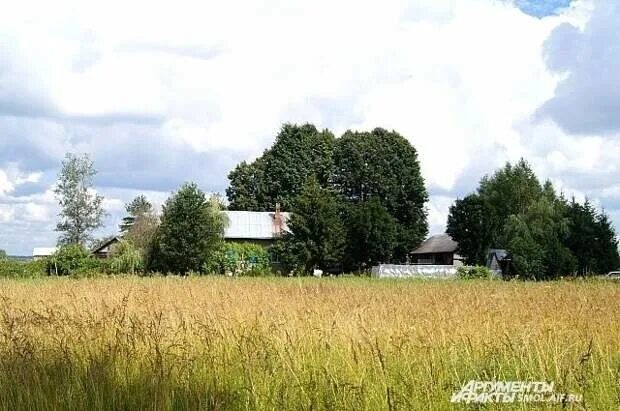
[[278, 221]]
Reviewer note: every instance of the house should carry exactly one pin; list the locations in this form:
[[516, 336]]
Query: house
[[104, 249], [439, 249], [259, 227], [39, 253]]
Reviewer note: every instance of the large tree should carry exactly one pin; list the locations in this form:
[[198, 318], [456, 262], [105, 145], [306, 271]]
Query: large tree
[[477, 221], [591, 238], [81, 210], [470, 225], [372, 235], [383, 165], [192, 227], [244, 192], [317, 237], [137, 207], [509, 191], [299, 152], [536, 238]]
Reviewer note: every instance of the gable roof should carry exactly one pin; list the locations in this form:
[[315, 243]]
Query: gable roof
[[254, 225], [108, 243], [440, 243]]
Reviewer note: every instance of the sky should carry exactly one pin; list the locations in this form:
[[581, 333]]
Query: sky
[[162, 94]]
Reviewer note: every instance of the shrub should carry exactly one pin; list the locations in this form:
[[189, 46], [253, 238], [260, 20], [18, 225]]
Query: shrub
[[74, 259], [478, 271], [125, 259], [22, 269], [245, 259]]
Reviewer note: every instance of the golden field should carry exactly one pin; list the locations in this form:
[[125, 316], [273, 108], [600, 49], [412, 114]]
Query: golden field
[[288, 343]]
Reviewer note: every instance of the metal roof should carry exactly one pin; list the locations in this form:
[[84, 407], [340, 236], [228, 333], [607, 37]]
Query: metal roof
[[253, 225], [43, 251], [440, 243]]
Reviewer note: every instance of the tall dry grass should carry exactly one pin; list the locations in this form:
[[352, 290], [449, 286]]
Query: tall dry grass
[[220, 343]]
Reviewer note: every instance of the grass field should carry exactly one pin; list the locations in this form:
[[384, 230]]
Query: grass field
[[279, 343]]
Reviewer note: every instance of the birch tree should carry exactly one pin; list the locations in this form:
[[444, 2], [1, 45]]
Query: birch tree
[[81, 210]]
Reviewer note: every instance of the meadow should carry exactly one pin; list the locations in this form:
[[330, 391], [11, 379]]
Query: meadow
[[300, 343]]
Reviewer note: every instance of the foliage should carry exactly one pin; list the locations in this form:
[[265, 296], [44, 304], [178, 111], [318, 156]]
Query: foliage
[[191, 228], [383, 165], [591, 239], [317, 238], [298, 153], [137, 208], [22, 269], [359, 166], [474, 272], [240, 259], [81, 210], [244, 192], [74, 259], [372, 234], [142, 234], [470, 224], [546, 236], [2, 254], [509, 191], [125, 258], [536, 239]]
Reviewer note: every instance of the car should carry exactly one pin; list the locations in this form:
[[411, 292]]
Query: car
[[613, 275]]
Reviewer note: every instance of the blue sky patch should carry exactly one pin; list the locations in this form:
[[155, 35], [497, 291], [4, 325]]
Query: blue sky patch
[[541, 8]]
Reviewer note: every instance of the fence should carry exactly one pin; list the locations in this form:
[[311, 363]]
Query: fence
[[413, 271]]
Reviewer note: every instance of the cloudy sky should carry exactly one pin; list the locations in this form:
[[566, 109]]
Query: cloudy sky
[[158, 95]]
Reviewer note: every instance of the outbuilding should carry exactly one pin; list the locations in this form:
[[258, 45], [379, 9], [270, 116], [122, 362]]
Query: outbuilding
[[438, 249]]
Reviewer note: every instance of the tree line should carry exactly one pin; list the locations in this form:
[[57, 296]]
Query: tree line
[[546, 234], [355, 201]]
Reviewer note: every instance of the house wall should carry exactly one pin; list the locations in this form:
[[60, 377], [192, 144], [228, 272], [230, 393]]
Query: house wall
[[434, 258]]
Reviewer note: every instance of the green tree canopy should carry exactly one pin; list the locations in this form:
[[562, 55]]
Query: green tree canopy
[[298, 153], [536, 240], [81, 210], [191, 228], [317, 237], [591, 238], [137, 207], [546, 235], [372, 234], [470, 224], [382, 164]]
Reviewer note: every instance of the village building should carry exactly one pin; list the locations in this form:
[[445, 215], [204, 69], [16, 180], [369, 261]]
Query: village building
[[104, 250], [39, 253], [439, 249], [258, 227]]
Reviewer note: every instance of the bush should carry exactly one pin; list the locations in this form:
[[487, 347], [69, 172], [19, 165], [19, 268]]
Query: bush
[[245, 259], [74, 260], [125, 259], [22, 269], [468, 272]]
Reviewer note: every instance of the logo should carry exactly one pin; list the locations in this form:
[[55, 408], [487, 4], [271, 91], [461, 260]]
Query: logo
[[483, 392]]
